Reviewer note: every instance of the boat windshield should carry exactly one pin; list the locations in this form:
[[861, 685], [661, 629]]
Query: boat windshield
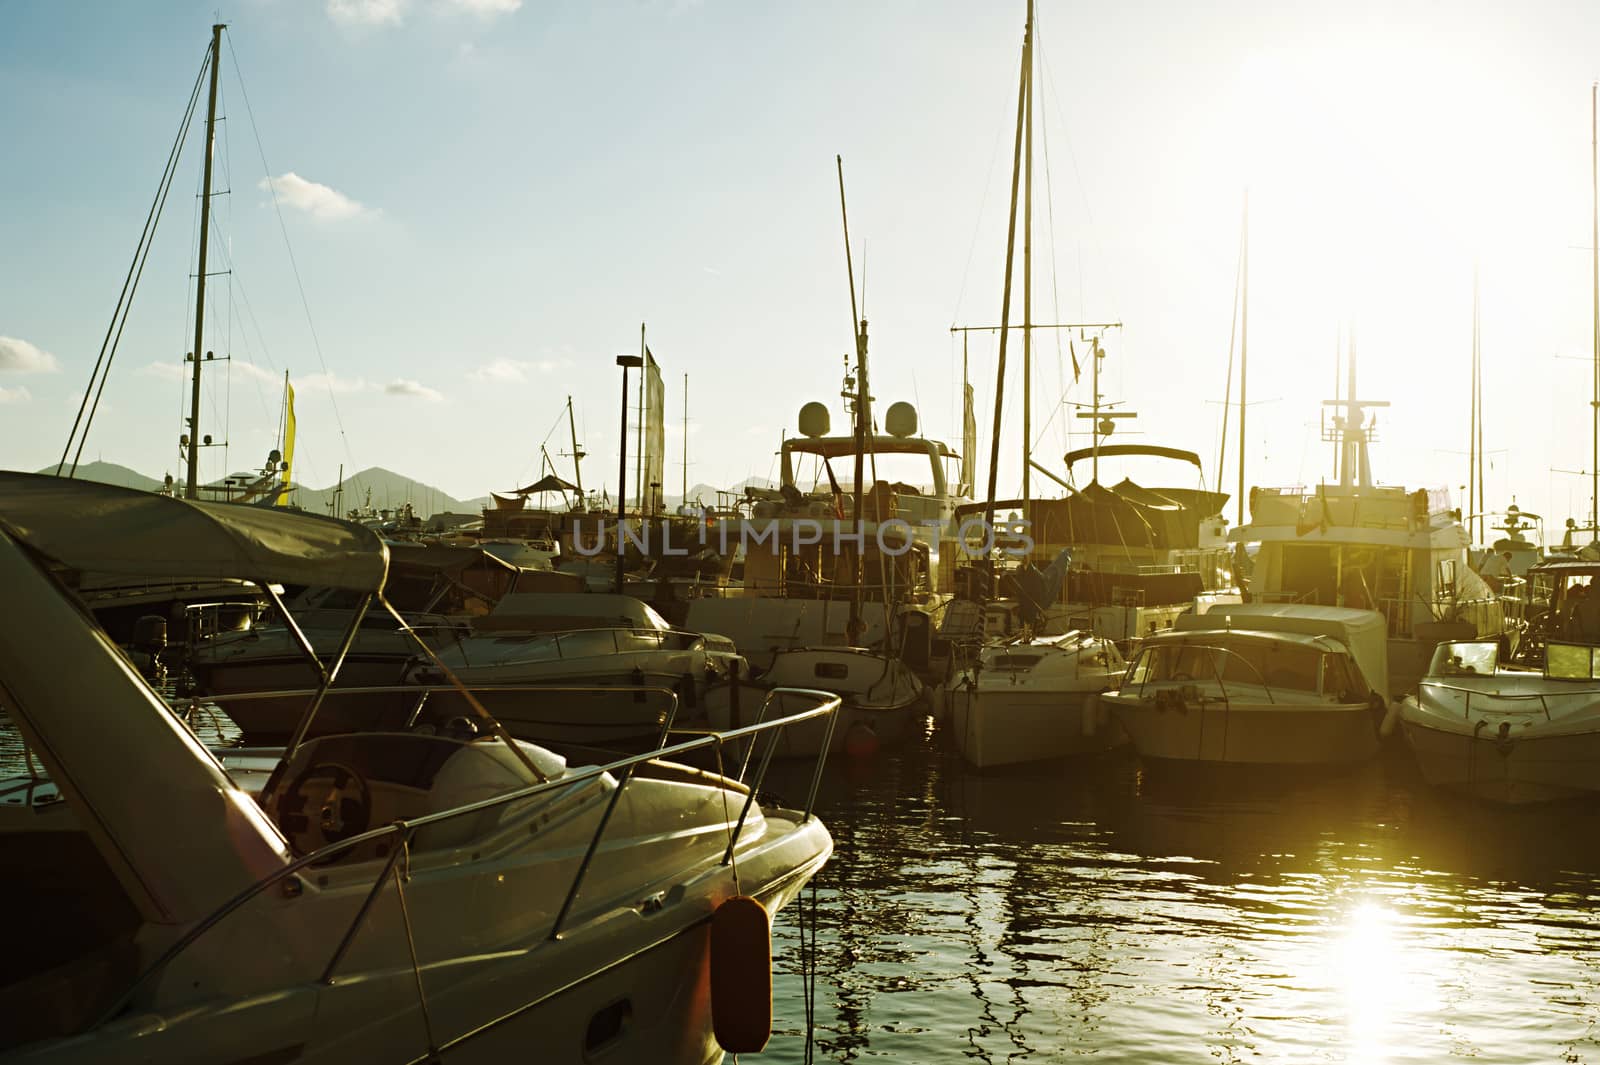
[[1477, 658], [1260, 662], [1572, 661]]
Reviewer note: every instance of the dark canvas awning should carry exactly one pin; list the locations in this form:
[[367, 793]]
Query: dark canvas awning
[[548, 483], [101, 528]]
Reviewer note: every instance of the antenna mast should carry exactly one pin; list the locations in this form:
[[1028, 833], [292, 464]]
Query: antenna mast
[[577, 452], [1027, 265], [854, 628], [191, 483]]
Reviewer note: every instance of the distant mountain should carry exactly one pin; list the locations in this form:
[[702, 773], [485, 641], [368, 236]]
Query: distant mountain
[[388, 491], [111, 473]]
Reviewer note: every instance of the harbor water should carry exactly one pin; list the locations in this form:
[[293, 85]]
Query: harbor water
[[1099, 909]]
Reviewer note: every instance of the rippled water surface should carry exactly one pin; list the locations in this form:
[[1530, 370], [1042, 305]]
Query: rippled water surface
[[1099, 908]]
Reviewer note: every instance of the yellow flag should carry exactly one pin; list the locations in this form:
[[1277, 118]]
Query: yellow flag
[[288, 435]]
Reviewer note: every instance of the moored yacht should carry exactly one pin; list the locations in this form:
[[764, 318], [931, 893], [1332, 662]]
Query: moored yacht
[[1361, 545], [174, 917], [1258, 684], [1507, 733], [1035, 700]]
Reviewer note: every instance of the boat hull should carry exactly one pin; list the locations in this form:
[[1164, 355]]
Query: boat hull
[[1249, 733], [995, 727], [1513, 771]]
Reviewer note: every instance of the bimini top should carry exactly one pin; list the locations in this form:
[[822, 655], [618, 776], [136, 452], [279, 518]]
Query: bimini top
[[101, 528]]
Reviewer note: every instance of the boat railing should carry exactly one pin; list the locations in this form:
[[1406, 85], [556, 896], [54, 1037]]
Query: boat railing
[[1499, 697], [589, 642], [1216, 669], [189, 707], [403, 832]]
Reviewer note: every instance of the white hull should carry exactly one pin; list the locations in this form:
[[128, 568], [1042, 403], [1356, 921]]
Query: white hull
[[1521, 770], [1249, 733], [1008, 725]]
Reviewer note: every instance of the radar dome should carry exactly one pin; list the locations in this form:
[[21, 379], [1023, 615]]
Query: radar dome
[[814, 420], [901, 419]]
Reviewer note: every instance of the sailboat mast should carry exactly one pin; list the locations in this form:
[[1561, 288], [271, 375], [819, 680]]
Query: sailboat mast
[[1244, 342], [854, 627], [191, 489], [1011, 246], [1027, 269], [1594, 244], [1474, 503], [685, 439], [577, 456]]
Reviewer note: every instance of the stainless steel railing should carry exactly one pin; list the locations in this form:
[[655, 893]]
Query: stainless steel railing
[[404, 831]]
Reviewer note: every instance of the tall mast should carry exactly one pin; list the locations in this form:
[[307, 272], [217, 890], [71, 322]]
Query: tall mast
[[638, 460], [1244, 343], [685, 438], [1594, 244], [1011, 245], [577, 454], [191, 488], [854, 627], [1475, 501], [1027, 267]]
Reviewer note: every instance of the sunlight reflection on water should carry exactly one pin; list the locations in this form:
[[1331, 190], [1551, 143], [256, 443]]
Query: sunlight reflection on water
[[1098, 909]]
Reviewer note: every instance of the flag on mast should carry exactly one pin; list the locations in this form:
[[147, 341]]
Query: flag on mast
[[288, 440]]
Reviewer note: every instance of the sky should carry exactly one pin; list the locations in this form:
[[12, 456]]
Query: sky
[[444, 217]]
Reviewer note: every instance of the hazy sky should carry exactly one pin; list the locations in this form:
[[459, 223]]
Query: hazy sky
[[486, 197]]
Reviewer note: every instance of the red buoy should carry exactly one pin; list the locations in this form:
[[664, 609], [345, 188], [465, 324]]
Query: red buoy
[[861, 741]]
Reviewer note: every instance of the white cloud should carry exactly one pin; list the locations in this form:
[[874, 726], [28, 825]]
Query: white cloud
[[366, 12], [249, 369], [14, 395], [483, 8], [328, 382], [404, 386], [167, 371], [317, 200], [19, 356], [516, 370]]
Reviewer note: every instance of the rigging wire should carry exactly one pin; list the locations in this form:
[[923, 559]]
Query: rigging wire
[[130, 285], [1055, 273], [277, 209], [1227, 392]]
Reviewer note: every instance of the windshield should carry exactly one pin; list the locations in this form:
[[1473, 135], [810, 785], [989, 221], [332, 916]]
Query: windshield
[[1477, 658], [1260, 662]]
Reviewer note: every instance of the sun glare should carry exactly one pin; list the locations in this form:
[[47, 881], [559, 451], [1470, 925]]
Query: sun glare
[[1370, 973]]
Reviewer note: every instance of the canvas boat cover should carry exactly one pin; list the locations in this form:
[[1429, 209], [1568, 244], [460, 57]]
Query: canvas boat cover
[[1364, 632], [101, 528]]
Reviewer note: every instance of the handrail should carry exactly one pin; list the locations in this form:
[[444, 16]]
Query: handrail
[[1466, 709], [405, 830], [1214, 670]]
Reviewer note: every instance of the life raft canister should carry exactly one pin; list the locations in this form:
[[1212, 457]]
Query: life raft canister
[[741, 975]]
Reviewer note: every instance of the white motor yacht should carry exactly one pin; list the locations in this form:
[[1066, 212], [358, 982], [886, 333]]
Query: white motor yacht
[[1260, 684], [1035, 700], [1509, 734], [582, 640], [883, 701], [398, 897]]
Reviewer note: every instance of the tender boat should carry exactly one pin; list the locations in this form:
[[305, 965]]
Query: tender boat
[[1260, 684], [1035, 700], [883, 701], [437, 589], [582, 640], [400, 896]]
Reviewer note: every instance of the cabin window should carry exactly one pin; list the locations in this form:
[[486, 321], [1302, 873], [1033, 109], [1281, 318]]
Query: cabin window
[[1015, 663], [1445, 587], [1465, 659], [1272, 664], [830, 670], [1567, 661], [1342, 680]]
